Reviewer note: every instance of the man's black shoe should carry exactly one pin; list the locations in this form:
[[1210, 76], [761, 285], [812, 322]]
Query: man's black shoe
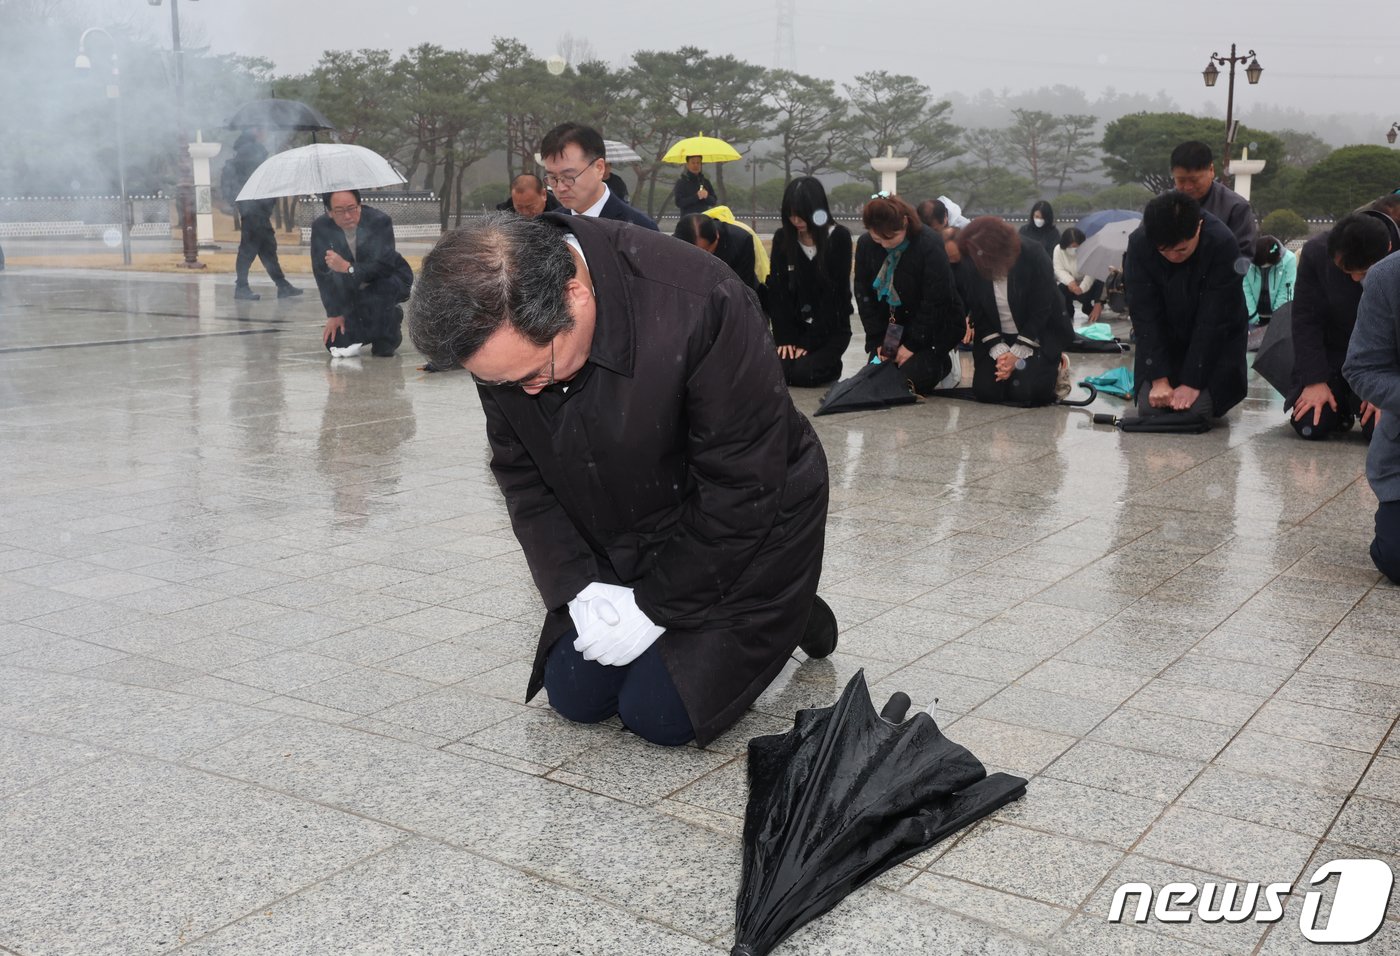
[[243, 292], [287, 291], [819, 640]]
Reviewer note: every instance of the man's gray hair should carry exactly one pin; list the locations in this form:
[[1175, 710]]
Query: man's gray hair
[[502, 269]]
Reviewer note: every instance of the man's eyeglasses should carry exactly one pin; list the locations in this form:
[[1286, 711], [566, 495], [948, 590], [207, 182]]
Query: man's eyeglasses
[[539, 378], [567, 179], [344, 210]]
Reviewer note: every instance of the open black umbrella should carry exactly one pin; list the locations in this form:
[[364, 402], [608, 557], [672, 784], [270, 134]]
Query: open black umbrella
[[279, 114], [1274, 360], [874, 386], [842, 797]]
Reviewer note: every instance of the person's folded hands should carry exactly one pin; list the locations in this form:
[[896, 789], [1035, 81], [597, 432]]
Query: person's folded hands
[[614, 630]]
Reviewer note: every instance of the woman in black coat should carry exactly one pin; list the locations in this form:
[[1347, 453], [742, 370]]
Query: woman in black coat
[[1042, 229], [808, 293], [1019, 325], [903, 279]]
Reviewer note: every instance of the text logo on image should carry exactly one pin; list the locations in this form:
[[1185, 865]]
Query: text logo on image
[[1359, 900]]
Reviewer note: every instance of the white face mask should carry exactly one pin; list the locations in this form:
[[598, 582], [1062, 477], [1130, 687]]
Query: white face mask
[[1039, 222]]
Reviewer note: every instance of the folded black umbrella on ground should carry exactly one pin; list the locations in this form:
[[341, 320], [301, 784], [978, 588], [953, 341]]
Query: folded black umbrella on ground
[[874, 386], [1274, 360], [842, 797], [1167, 423], [1081, 344]]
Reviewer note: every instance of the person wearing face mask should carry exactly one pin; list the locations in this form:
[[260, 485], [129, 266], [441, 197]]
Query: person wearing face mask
[[1074, 285], [1041, 229], [1020, 327], [808, 292], [908, 303]]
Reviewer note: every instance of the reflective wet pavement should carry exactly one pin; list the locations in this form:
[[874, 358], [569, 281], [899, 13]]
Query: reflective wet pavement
[[264, 634]]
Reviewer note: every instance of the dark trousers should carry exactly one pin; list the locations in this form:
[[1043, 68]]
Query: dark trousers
[[1029, 386], [1329, 421], [641, 693], [819, 366], [1385, 548], [926, 369], [1087, 298], [257, 240], [372, 321]]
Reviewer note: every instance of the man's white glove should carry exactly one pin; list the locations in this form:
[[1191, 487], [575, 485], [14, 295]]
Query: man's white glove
[[612, 630]]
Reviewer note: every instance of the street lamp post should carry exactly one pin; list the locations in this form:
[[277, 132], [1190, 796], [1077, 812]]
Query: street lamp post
[[1211, 73], [184, 188], [1392, 133], [114, 94]]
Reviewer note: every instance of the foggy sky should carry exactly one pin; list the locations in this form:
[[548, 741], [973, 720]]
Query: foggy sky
[[1321, 58]]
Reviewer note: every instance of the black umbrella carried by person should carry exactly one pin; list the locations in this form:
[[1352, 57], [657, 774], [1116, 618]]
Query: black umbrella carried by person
[[1274, 360], [874, 386], [842, 797], [279, 114]]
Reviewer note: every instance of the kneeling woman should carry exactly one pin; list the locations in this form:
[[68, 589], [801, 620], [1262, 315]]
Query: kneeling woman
[[903, 279], [1019, 324], [809, 287]]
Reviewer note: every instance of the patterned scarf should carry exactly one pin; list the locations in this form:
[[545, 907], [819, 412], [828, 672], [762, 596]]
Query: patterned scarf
[[884, 279]]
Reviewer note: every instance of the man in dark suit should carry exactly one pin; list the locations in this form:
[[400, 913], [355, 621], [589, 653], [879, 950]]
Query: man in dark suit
[[528, 197], [360, 275], [1188, 311], [573, 160]]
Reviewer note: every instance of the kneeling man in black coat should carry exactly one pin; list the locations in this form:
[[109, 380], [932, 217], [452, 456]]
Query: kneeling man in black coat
[[669, 498], [1188, 310]]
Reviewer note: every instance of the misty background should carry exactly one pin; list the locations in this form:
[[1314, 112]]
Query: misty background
[[984, 68]]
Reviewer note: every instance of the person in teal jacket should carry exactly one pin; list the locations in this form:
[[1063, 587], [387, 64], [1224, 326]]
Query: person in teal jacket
[[1270, 280]]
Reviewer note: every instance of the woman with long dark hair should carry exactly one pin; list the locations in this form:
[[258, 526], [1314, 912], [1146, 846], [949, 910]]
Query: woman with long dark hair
[[1041, 228], [904, 290], [1019, 323], [808, 293]]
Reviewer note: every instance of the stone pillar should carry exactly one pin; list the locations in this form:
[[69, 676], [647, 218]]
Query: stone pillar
[[1244, 170], [200, 154], [889, 166]]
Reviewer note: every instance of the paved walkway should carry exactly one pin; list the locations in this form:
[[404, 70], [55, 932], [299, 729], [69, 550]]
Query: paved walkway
[[264, 632]]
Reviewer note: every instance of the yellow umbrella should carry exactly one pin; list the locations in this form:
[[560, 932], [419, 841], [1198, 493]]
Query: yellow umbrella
[[708, 148]]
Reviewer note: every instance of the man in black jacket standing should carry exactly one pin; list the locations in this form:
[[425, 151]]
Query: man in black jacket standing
[[256, 236], [693, 192], [360, 275], [573, 160], [1188, 310]]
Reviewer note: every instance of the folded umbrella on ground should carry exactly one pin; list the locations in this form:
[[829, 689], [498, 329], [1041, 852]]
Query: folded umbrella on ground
[[1166, 423], [1274, 359], [877, 385], [1117, 382], [841, 798]]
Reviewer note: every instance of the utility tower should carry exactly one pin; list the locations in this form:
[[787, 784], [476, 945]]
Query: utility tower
[[785, 42]]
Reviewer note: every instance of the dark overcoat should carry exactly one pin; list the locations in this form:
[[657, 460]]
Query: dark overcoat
[[1036, 305], [1325, 300], [930, 310], [1190, 318], [676, 464], [810, 302]]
